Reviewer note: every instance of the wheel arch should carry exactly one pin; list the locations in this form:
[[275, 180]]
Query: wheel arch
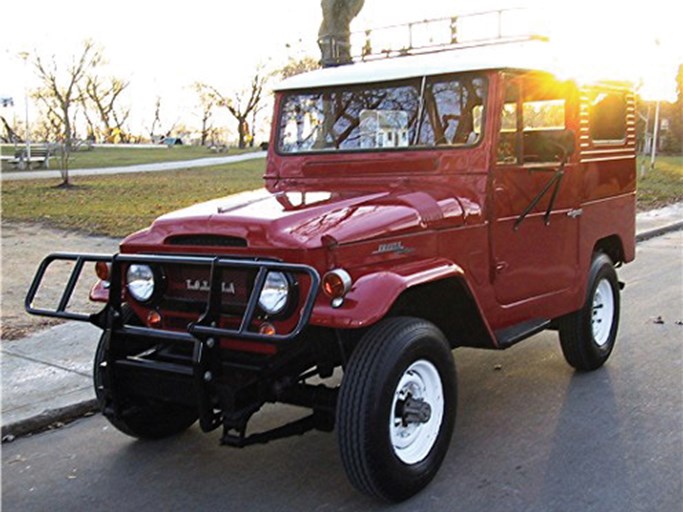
[[450, 305], [436, 290], [613, 247]]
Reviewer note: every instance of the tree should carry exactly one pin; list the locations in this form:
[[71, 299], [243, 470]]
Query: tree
[[243, 105], [677, 114], [207, 103], [61, 92], [334, 35], [102, 96], [10, 135], [156, 123], [297, 66]]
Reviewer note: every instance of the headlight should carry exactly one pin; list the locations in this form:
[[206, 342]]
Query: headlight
[[140, 279], [274, 294]]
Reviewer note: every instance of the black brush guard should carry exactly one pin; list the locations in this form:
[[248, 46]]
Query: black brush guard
[[201, 335]]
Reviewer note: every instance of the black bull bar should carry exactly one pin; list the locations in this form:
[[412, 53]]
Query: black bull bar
[[201, 336], [207, 324]]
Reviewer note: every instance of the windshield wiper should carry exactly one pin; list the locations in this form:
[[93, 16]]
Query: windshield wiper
[[556, 180]]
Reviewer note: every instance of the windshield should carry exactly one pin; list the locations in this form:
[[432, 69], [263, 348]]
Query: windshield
[[419, 113]]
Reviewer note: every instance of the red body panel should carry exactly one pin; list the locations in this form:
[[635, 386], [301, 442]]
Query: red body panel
[[395, 219]]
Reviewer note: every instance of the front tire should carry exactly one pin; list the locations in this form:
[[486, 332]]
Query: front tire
[[587, 336], [141, 418], [396, 408]]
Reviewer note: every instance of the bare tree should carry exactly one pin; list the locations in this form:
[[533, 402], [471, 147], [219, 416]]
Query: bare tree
[[243, 104], [103, 96], [10, 134], [207, 103], [61, 92], [297, 66], [156, 129], [335, 30]]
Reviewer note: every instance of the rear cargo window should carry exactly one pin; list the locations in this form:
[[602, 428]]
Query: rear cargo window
[[608, 116]]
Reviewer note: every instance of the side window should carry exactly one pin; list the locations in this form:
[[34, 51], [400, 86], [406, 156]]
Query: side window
[[533, 120], [607, 116]]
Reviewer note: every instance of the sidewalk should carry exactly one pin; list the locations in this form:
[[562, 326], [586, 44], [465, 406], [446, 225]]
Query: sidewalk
[[47, 377], [155, 167]]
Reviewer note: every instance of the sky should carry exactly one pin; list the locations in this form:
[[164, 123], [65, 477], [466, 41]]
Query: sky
[[163, 48]]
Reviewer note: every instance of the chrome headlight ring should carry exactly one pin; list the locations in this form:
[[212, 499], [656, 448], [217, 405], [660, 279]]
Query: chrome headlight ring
[[277, 293], [142, 282]]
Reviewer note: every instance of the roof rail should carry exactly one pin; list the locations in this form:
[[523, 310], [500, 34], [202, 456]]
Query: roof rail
[[500, 26]]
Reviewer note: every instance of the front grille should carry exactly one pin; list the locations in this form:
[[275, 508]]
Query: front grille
[[189, 285], [207, 240]]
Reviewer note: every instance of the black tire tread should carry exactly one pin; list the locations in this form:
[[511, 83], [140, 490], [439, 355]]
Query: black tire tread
[[351, 428], [144, 420], [573, 327]]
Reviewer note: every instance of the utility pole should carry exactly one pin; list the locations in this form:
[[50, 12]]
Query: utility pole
[[24, 56], [655, 133]]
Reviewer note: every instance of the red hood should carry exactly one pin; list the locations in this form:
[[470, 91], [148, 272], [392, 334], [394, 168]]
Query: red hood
[[300, 219]]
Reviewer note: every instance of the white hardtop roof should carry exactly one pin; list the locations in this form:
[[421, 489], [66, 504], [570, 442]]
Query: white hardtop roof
[[532, 55]]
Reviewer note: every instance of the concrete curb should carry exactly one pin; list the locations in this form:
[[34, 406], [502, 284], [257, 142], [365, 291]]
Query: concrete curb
[[653, 233], [48, 418]]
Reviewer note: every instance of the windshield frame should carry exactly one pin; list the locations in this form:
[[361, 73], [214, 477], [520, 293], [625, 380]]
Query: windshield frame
[[417, 82]]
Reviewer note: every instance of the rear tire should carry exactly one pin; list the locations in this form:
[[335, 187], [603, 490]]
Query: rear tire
[[396, 408], [141, 418], [587, 336]]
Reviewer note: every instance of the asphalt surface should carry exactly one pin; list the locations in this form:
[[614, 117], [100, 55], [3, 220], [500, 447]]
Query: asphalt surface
[[531, 435]]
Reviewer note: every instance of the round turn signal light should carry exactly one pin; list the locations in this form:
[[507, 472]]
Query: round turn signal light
[[103, 269], [337, 283]]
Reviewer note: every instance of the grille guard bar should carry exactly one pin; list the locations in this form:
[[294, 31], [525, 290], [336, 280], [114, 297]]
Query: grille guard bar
[[111, 318]]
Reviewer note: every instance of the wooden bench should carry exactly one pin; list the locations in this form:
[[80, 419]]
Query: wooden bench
[[39, 155]]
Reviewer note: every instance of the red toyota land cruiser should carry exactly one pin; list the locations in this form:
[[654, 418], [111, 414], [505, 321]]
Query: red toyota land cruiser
[[411, 206]]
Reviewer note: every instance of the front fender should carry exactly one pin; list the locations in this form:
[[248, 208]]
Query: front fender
[[372, 295]]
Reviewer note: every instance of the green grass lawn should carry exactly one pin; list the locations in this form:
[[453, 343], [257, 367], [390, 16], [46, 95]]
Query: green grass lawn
[[117, 205], [98, 157], [661, 186], [120, 204]]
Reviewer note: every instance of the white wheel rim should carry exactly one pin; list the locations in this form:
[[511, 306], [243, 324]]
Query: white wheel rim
[[602, 314], [413, 441]]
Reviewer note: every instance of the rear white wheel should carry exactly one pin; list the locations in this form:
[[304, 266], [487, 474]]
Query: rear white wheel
[[602, 315], [587, 336]]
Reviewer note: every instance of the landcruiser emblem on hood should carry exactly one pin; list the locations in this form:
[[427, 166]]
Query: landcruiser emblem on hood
[[203, 286], [396, 247]]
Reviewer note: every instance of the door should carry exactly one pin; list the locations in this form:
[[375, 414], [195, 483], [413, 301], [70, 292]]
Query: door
[[535, 189]]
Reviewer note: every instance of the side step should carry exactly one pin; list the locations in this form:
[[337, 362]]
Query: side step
[[516, 333]]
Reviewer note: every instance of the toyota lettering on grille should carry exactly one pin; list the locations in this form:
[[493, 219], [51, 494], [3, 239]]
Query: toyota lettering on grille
[[203, 286]]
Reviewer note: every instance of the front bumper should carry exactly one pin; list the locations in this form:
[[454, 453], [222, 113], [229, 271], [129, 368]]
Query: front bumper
[[204, 376]]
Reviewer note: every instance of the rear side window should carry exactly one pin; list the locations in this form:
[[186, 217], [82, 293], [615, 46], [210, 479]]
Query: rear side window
[[607, 116]]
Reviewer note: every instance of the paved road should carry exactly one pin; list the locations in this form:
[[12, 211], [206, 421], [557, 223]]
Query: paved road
[[154, 167], [532, 436]]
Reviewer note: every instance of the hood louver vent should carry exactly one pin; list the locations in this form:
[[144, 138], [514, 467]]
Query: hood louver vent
[[207, 241]]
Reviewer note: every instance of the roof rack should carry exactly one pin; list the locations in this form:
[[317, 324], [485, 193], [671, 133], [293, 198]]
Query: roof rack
[[500, 26]]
